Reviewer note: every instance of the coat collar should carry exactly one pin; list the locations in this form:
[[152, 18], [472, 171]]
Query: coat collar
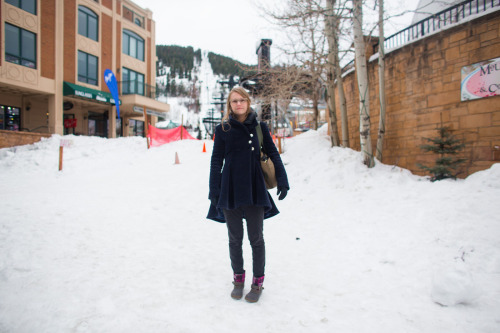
[[250, 123]]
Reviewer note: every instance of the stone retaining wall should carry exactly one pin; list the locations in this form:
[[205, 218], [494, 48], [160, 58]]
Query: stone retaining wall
[[13, 138], [423, 81]]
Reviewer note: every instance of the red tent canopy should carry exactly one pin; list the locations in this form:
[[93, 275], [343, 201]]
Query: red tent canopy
[[159, 137]]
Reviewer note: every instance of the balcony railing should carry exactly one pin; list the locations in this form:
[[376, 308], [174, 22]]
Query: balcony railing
[[136, 88], [433, 23], [438, 21]]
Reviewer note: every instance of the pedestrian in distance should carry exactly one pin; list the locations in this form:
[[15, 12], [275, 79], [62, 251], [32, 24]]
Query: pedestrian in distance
[[237, 189]]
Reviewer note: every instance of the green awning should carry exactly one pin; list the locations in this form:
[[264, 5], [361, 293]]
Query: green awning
[[74, 90]]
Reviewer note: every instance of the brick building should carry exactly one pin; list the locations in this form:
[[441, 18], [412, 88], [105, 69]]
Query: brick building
[[52, 62], [423, 73]]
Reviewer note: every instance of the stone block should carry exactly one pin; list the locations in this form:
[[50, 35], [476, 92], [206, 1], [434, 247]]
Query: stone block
[[452, 53], [409, 125], [452, 86], [482, 153], [484, 53], [488, 36], [491, 132], [484, 105], [438, 64], [433, 86], [475, 121], [471, 136], [496, 152], [457, 74], [480, 28], [394, 99], [458, 111], [458, 36], [429, 119], [495, 116], [464, 48], [443, 98]]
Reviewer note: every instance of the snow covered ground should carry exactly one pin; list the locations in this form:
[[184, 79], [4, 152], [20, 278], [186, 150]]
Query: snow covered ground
[[118, 242]]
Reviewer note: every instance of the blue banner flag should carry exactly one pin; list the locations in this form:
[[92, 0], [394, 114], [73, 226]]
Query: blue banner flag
[[110, 80]]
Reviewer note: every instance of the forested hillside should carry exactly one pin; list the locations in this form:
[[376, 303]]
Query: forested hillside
[[227, 66], [182, 60]]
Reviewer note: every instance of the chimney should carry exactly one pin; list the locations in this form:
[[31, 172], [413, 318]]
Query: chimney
[[264, 54]]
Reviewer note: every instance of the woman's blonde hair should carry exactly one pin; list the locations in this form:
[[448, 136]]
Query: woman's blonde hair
[[229, 112]]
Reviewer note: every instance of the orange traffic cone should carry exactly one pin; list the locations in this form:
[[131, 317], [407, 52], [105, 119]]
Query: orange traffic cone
[[204, 148], [177, 159]]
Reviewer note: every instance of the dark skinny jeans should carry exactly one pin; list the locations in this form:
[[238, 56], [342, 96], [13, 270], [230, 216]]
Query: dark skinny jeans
[[254, 216]]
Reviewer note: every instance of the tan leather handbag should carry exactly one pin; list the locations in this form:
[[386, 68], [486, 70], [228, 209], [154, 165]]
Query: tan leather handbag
[[266, 163]]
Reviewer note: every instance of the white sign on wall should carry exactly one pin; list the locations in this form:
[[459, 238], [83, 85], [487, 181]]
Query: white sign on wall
[[481, 80]]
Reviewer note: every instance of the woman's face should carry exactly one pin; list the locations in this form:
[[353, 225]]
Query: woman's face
[[239, 105]]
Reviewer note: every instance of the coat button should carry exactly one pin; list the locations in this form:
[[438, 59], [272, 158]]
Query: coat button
[[253, 148], [251, 135], [250, 141]]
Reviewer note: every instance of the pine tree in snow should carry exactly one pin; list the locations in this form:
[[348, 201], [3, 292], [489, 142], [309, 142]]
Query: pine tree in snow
[[447, 147]]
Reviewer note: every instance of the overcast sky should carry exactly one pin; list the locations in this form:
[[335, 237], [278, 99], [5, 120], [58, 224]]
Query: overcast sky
[[228, 27]]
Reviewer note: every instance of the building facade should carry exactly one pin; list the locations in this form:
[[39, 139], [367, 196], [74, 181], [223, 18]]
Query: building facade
[[52, 62]]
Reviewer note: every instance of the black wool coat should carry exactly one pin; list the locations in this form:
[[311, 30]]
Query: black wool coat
[[236, 177]]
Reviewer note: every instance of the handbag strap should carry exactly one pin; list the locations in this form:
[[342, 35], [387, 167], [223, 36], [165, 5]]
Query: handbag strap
[[260, 136]]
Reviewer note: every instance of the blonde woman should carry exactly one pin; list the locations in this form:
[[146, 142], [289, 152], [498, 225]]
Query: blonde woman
[[237, 188]]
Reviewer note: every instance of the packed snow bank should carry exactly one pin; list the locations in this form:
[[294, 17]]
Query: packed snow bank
[[118, 242]]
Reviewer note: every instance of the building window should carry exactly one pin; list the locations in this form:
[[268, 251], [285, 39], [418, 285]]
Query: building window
[[133, 82], [27, 5], [98, 124], [88, 23], [20, 46], [10, 118], [135, 127], [87, 68], [132, 16], [133, 44]]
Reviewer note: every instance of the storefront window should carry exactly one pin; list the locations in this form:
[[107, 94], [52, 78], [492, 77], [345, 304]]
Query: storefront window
[[68, 128], [136, 127], [10, 118], [119, 131], [98, 124]]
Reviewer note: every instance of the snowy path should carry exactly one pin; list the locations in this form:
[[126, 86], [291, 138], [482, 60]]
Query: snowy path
[[118, 242]]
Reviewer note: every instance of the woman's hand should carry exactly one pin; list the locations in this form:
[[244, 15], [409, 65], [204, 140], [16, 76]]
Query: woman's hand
[[282, 191]]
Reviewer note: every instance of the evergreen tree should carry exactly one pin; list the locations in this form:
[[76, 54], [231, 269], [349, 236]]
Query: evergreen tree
[[167, 87], [447, 147], [173, 88]]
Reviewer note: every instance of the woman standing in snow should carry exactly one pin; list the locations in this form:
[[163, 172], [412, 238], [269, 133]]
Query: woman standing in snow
[[237, 188]]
